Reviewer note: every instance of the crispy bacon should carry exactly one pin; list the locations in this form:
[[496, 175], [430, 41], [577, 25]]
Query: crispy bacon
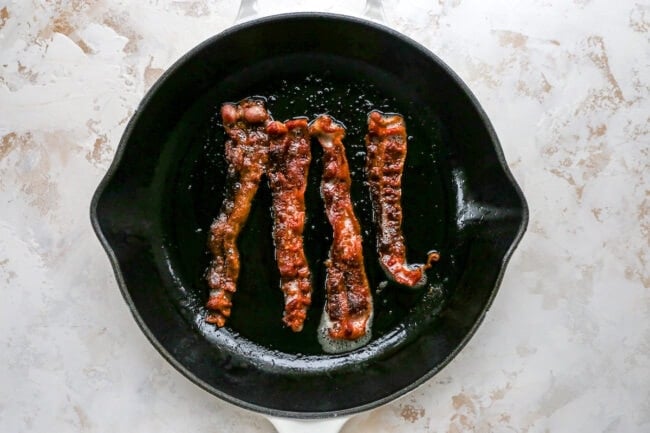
[[348, 308], [386, 152], [288, 166], [247, 154]]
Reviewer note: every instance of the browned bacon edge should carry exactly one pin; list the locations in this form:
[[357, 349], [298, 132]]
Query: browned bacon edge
[[288, 167], [386, 144], [348, 308], [247, 154]]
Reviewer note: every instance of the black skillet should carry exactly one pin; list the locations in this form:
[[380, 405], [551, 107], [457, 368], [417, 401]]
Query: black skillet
[[152, 211]]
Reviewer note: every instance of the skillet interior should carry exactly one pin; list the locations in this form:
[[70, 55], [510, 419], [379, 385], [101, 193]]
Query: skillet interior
[[154, 206]]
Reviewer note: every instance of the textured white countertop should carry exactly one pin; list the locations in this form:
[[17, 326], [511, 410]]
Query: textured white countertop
[[566, 345]]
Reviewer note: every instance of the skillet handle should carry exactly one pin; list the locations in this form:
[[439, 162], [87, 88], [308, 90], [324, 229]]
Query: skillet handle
[[247, 10], [374, 10], [329, 425]]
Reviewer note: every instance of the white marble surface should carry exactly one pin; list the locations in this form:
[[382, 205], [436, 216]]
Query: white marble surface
[[566, 346]]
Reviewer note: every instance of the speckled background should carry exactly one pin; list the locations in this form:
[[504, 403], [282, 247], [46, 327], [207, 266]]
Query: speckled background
[[566, 345]]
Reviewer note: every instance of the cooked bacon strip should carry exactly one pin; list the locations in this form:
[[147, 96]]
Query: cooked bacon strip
[[348, 308], [288, 166], [386, 152], [247, 155]]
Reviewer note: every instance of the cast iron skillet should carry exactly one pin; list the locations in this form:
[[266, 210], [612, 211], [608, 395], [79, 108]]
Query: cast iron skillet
[[152, 210]]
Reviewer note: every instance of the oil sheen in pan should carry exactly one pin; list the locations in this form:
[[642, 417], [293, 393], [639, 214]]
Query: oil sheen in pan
[[258, 304]]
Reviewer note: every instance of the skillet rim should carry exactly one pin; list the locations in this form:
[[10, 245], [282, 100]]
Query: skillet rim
[[125, 138]]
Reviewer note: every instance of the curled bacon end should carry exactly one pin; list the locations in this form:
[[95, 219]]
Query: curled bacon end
[[348, 307], [246, 153], [432, 257], [288, 166], [386, 144]]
